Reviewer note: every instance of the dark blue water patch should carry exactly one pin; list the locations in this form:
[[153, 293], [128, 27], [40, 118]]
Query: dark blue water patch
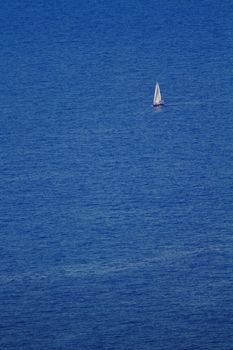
[[107, 303], [116, 218]]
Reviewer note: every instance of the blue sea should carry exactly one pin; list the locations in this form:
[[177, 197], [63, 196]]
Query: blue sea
[[116, 217]]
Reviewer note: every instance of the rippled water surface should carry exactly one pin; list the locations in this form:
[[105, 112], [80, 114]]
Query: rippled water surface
[[116, 218]]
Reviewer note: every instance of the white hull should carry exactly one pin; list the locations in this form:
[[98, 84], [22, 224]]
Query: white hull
[[158, 104]]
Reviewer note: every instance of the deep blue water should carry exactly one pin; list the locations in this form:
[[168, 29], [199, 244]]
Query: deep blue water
[[116, 218]]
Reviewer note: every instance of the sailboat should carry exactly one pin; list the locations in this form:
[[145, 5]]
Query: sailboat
[[157, 101]]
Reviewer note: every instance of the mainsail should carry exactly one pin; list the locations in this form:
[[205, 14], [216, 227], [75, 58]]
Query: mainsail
[[157, 96]]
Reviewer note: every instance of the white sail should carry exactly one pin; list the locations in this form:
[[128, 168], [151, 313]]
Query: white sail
[[157, 96]]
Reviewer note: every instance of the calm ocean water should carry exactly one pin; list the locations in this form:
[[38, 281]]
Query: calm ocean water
[[116, 218]]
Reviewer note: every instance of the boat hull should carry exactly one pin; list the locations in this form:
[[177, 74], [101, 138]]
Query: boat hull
[[158, 104]]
